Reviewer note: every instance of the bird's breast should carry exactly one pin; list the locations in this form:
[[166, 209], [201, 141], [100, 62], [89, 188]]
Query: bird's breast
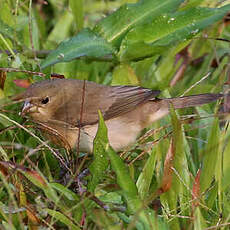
[[120, 134]]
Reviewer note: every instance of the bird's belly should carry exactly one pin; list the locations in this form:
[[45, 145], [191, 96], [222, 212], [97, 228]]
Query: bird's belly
[[120, 133]]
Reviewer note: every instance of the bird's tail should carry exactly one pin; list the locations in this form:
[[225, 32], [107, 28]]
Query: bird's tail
[[195, 100]]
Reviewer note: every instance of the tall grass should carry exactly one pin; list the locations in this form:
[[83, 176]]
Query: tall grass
[[176, 176]]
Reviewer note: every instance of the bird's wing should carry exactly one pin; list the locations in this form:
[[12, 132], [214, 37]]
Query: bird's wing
[[111, 101], [127, 98]]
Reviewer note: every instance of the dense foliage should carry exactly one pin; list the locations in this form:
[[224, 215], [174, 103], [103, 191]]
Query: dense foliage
[[176, 176]]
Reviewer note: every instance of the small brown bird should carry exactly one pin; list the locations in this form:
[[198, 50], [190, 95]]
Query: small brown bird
[[62, 107]]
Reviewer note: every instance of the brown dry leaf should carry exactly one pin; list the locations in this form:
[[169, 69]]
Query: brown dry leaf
[[33, 219], [168, 171], [4, 169], [23, 83], [33, 175], [185, 56], [30, 212], [196, 190], [2, 79]]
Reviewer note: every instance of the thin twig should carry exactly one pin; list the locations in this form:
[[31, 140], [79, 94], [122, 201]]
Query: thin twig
[[152, 143], [218, 226], [56, 133], [81, 118], [7, 45], [13, 127], [23, 71], [198, 82]]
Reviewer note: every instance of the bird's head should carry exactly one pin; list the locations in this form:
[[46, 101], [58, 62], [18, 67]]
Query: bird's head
[[42, 99]]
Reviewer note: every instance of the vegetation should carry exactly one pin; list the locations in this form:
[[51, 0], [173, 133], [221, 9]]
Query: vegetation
[[176, 176]]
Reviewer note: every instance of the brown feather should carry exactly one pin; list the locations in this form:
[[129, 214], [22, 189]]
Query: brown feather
[[126, 110], [194, 100], [111, 101]]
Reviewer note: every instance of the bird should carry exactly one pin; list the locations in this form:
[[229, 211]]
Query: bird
[[64, 107]]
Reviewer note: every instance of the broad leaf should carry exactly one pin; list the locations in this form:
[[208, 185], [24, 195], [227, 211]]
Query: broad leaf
[[145, 178], [63, 24], [127, 185], [100, 163], [84, 44], [114, 27], [65, 191], [123, 178], [210, 157], [65, 220], [166, 31], [180, 161]]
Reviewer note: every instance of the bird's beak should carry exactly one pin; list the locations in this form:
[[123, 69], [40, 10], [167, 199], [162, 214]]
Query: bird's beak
[[26, 108]]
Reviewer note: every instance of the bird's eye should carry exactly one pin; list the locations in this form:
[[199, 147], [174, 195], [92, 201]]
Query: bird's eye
[[45, 100]]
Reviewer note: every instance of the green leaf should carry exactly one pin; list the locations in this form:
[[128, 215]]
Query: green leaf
[[6, 14], [61, 30], [114, 27], [130, 192], [6, 30], [199, 222], [124, 180], [39, 180], [177, 192], [145, 178], [59, 216], [180, 161], [77, 9], [124, 75], [166, 31], [192, 3], [8, 226], [112, 197], [84, 44], [226, 165], [100, 162], [210, 157], [64, 191]]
